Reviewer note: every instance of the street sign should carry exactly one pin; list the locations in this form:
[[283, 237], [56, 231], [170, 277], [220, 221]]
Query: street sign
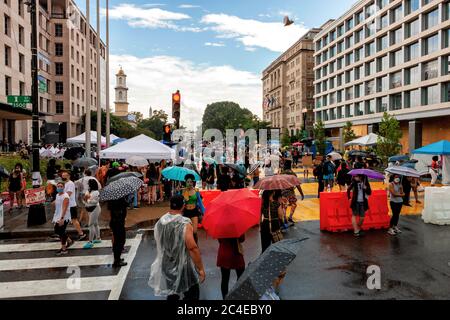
[[19, 99], [42, 86]]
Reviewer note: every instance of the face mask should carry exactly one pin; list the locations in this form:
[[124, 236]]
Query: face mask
[[64, 179], [397, 180], [60, 190]]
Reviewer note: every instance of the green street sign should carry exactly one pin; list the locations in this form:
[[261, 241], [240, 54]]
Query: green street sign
[[42, 87], [19, 99]]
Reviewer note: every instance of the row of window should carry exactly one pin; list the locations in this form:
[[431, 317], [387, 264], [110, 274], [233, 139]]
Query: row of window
[[375, 21], [8, 86], [410, 99], [8, 31], [20, 6]]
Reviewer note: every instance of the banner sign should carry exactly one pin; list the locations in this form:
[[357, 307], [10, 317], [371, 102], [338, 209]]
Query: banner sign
[[35, 196]]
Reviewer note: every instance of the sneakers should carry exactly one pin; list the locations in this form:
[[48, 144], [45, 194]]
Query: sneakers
[[397, 230], [88, 245], [97, 241], [82, 237], [118, 264], [61, 252], [392, 232], [291, 220]]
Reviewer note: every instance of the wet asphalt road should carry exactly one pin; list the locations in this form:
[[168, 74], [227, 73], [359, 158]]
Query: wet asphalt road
[[414, 265]]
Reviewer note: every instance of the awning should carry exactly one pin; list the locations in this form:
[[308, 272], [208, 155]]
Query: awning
[[11, 113]]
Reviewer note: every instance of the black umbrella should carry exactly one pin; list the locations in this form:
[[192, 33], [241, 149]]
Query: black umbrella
[[236, 167], [254, 167], [74, 153], [354, 153], [3, 172], [120, 188], [73, 145], [261, 273], [124, 175], [85, 162]]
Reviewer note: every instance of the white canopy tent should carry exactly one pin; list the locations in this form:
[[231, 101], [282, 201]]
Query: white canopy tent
[[370, 140], [113, 137], [82, 138], [142, 146]]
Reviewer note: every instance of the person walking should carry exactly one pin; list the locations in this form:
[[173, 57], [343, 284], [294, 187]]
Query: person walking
[[360, 189], [15, 187], [318, 173], [434, 170], [271, 218], [290, 193], [152, 176], [69, 188], [203, 175], [82, 186], [328, 172], [406, 184], [92, 204], [415, 184], [343, 178], [396, 195], [193, 203], [118, 210], [210, 177], [178, 267], [61, 218], [230, 257]]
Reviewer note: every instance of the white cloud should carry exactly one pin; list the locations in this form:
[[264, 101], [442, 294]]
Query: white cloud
[[150, 5], [253, 33], [152, 80], [214, 44], [152, 18], [188, 6]]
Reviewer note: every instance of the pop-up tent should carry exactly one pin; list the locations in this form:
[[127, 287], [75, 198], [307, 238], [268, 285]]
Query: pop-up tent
[[113, 137], [367, 141], [441, 149], [82, 138], [142, 146]]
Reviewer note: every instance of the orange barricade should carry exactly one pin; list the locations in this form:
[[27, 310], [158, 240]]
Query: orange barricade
[[336, 214]]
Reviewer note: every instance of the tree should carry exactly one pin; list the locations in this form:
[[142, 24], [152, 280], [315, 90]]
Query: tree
[[285, 138], [319, 137], [155, 123], [388, 143], [139, 116], [348, 133]]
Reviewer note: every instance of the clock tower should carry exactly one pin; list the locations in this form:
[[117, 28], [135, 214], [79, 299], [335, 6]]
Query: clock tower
[[121, 101]]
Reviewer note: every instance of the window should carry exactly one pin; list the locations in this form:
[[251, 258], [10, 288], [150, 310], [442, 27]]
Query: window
[[370, 68], [21, 63], [447, 92], [21, 35], [412, 5], [432, 19], [432, 95], [7, 86], [349, 93], [72, 90], [58, 30], [384, 84], [383, 42], [350, 58], [350, 42], [413, 28], [340, 46], [370, 31], [430, 70], [358, 91], [349, 111], [359, 35], [413, 75], [7, 56], [7, 25], [59, 87], [350, 24], [20, 7], [59, 71], [59, 107], [413, 99], [398, 13], [447, 36], [73, 109], [384, 3], [413, 51], [383, 106], [58, 49], [332, 35], [359, 53], [370, 10], [383, 63], [370, 87], [396, 102], [370, 48], [370, 106], [397, 36], [446, 66], [359, 17], [396, 58], [340, 30], [396, 80], [333, 98], [431, 44], [21, 88], [359, 73], [384, 21], [339, 113], [358, 110]]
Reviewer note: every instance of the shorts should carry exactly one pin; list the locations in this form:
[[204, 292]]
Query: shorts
[[74, 213], [358, 210], [292, 200], [191, 213]]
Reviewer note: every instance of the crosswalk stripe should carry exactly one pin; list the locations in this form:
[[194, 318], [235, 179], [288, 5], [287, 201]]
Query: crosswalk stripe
[[44, 246], [54, 287]]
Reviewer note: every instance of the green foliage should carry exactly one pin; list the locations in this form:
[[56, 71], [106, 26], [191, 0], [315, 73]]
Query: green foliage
[[229, 115], [348, 133], [139, 116], [388, 143], [319, 137], [285, 138], [154, 124]]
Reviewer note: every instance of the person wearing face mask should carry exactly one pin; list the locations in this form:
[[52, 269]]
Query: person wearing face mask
[[360, 189], [61, 218], [396, 195], [193, 203]]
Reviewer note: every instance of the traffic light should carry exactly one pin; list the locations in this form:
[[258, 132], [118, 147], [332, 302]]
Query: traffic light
[[167, 133], [176, 101]]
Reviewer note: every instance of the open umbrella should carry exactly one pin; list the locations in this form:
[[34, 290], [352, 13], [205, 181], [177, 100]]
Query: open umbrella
[[239, 168], [84, 162], [297, 144], [124, 175], [398, 158], [367, 172], [178, 173], [232, 213], [261, 273], [405, 171], [74, 153], [137, 161], [209, 160], [120, 188], [277, 182], [335, 156]]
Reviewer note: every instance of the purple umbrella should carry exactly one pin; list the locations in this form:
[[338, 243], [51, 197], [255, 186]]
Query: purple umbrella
[[367, 172]]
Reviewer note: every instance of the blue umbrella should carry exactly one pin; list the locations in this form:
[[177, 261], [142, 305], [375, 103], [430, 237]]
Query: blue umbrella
[[439, 148], [398, 158], [116, 141], [179, 173]]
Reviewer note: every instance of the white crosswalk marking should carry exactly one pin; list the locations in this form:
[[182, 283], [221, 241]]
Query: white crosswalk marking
[[45, 285]]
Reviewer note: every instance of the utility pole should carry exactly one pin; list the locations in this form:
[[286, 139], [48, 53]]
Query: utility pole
[[108, 116], [88, 81], [36, 213], [99, 108]]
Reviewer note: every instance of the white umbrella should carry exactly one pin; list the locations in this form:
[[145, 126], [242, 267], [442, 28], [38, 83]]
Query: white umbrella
[[137, 161], [405, 171], [335, 156], [370, 140]]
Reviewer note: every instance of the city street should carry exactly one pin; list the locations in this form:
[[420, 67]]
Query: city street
[[414, 265]]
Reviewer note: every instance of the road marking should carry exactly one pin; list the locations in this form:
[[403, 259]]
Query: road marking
[[44, 246], [53, 287], [123, 273], [56, 262]]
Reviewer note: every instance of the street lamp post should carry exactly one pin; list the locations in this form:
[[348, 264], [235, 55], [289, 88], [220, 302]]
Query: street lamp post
[[36, 213]]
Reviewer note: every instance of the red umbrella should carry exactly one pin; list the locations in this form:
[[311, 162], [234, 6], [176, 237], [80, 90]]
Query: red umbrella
[[278, 182], [297, 144], [232, 213]]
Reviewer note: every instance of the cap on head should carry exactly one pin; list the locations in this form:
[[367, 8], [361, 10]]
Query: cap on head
[[115, 164]]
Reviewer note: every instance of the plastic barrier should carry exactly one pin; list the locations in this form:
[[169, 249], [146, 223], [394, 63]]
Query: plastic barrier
[[437, 205], [336, 214]]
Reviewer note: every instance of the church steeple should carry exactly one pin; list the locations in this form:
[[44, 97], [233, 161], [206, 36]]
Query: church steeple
[[121, 102]]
